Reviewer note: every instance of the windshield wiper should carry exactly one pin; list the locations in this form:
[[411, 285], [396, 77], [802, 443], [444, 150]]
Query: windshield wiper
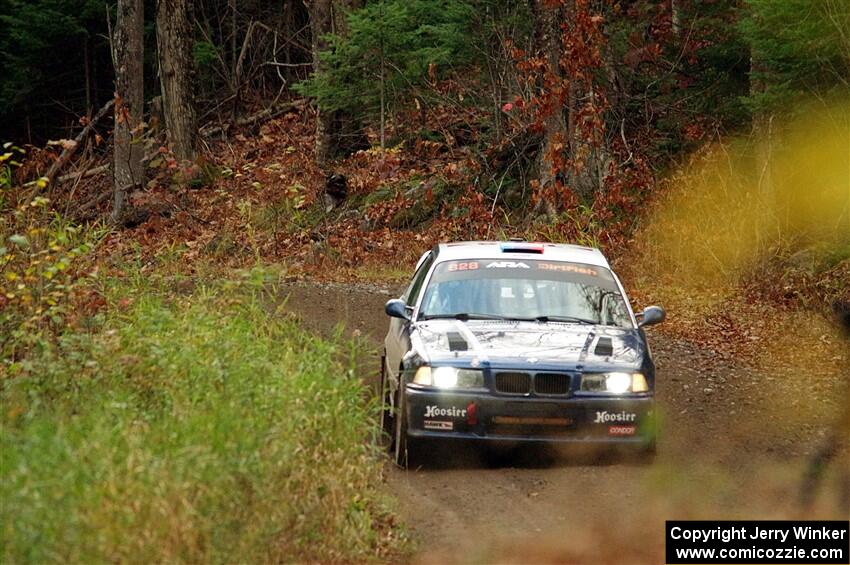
[[566, 319], [462, 316]]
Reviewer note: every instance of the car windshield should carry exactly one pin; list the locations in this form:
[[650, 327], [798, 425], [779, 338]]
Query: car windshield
[[551, 291]]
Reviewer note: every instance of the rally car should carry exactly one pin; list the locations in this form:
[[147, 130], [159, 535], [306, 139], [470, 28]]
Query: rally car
[[516, 342]]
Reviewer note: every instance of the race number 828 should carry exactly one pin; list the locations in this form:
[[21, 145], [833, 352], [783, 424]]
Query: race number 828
[[470, 266]]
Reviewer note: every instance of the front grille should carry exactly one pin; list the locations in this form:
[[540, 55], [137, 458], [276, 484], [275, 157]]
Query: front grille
[[551, 383], [513, 383]]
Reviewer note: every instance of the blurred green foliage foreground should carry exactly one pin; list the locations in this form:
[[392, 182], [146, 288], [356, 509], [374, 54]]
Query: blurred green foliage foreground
[[190, 427]]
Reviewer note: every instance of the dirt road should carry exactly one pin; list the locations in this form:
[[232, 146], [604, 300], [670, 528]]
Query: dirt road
[[733, 445]]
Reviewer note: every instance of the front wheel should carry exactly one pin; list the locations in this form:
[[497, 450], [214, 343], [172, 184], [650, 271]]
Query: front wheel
[[645, 455], [406, 448], [640, 454], [387, 416]]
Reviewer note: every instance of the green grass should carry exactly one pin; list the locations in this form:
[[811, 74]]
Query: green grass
[[199, 428]]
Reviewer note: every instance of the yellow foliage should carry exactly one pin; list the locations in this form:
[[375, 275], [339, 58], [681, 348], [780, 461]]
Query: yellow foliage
[[39, 260], [739, 204]]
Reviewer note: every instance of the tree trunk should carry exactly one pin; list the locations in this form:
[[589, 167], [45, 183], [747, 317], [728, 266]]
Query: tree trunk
[[235, 79], [547, 37], [762, 123], [128, 55], [336, 132], [586, 147], [321, 24], [87, 76], [174, 31], [586, 141], [572, 150], [676, 17]]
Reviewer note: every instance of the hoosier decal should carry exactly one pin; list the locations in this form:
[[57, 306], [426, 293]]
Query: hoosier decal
[[432, 411], [604, 417]]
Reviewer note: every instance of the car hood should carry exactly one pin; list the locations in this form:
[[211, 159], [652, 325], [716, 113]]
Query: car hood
[[504, 343]]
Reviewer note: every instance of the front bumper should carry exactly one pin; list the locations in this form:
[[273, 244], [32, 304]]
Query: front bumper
[[484, 416]]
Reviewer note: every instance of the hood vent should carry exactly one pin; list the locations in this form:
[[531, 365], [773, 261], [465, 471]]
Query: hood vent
[[604, 347], [457, 342]]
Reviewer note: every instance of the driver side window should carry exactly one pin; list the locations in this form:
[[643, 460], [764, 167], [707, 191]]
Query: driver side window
[[412, 292]]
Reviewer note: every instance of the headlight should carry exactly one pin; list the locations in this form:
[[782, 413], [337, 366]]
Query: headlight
[[449, 377], [614, 383]]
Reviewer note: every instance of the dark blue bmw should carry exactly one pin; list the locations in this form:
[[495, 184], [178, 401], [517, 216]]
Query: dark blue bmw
[[517, 342]]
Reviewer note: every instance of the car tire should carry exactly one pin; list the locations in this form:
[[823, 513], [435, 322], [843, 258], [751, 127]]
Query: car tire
[[641, 455], [647, 455], [405, 448], [650, 450], [387, 429]]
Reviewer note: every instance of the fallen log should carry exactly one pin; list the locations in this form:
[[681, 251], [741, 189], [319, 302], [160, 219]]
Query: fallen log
[[266, 114], [94, 202], [84, 174], [99, 170], [71, 148]]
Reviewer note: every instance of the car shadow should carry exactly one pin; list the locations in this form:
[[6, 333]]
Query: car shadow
[[453, 455]]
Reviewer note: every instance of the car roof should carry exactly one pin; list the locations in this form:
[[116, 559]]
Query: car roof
[[517, 249]]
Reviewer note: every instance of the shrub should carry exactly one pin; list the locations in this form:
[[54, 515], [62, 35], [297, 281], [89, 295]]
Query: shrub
[[43, 258], [190, 429]]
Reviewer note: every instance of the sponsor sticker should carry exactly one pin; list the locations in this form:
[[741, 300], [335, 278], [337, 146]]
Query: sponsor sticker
[[567, 268], [507, 265], [438, 425], [622, 430], [432, 411], [605, 417]]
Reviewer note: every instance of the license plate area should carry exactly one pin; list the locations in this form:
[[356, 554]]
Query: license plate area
[[532, 421], [530, 409]]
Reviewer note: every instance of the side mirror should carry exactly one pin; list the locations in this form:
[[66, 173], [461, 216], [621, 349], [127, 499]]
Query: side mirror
[[396, 308], [652, 315]]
